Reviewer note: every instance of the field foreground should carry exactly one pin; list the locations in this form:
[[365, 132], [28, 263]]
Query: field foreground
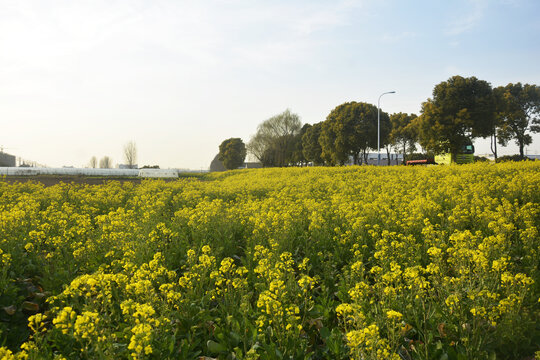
[[299, 263]]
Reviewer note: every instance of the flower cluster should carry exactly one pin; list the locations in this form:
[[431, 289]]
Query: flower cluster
[[323, 263]]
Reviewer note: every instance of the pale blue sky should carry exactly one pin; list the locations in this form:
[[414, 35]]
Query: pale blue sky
[[82, 78]]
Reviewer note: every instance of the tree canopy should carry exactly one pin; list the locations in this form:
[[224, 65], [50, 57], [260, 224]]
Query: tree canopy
[[274, 144], [460, 110], [298, 156], [232, 152], [310, 144], [518, 113], [403, 134], [350, 130]]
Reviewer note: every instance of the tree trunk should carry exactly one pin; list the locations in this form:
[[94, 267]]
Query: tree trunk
[[494, 143], [453, 156]]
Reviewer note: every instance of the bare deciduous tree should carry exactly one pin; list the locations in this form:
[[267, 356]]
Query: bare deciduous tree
[[130, 154], [93, 162], [105, 162]]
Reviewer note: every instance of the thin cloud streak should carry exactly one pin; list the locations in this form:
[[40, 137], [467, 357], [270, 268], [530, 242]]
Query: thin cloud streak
[[469, 20]]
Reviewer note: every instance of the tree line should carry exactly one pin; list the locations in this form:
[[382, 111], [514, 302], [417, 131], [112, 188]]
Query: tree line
[[106, 162], [459, 111]]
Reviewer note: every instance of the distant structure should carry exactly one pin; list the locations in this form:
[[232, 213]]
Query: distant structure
[[217, 165], [7, 160], [491, 157], [252, 165], [144, 173], [127, 166], [395, 159]]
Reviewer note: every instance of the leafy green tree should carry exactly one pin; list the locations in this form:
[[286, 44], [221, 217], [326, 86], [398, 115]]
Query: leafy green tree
[[298, 156], [350, 130], [310, 144], [330, 154], [403, 134], [460, 110], [232, 152], [518, 112], [275, 142]]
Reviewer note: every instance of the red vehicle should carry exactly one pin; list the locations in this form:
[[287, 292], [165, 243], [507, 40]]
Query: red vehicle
[[420, 162]]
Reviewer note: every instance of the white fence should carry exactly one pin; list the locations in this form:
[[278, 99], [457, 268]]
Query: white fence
[[33, 171]]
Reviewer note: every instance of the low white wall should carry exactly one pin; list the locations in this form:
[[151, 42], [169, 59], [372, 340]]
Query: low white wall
[[33, 171], [158, 173]]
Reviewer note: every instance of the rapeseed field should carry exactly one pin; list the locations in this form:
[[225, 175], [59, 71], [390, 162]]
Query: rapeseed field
[[295, 263]]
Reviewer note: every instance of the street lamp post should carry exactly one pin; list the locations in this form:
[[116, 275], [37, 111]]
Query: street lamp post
[[379, 126]]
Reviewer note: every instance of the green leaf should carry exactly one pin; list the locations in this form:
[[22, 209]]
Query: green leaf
[[325, 333], [215, 347], [235, 336], [171, 343]]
